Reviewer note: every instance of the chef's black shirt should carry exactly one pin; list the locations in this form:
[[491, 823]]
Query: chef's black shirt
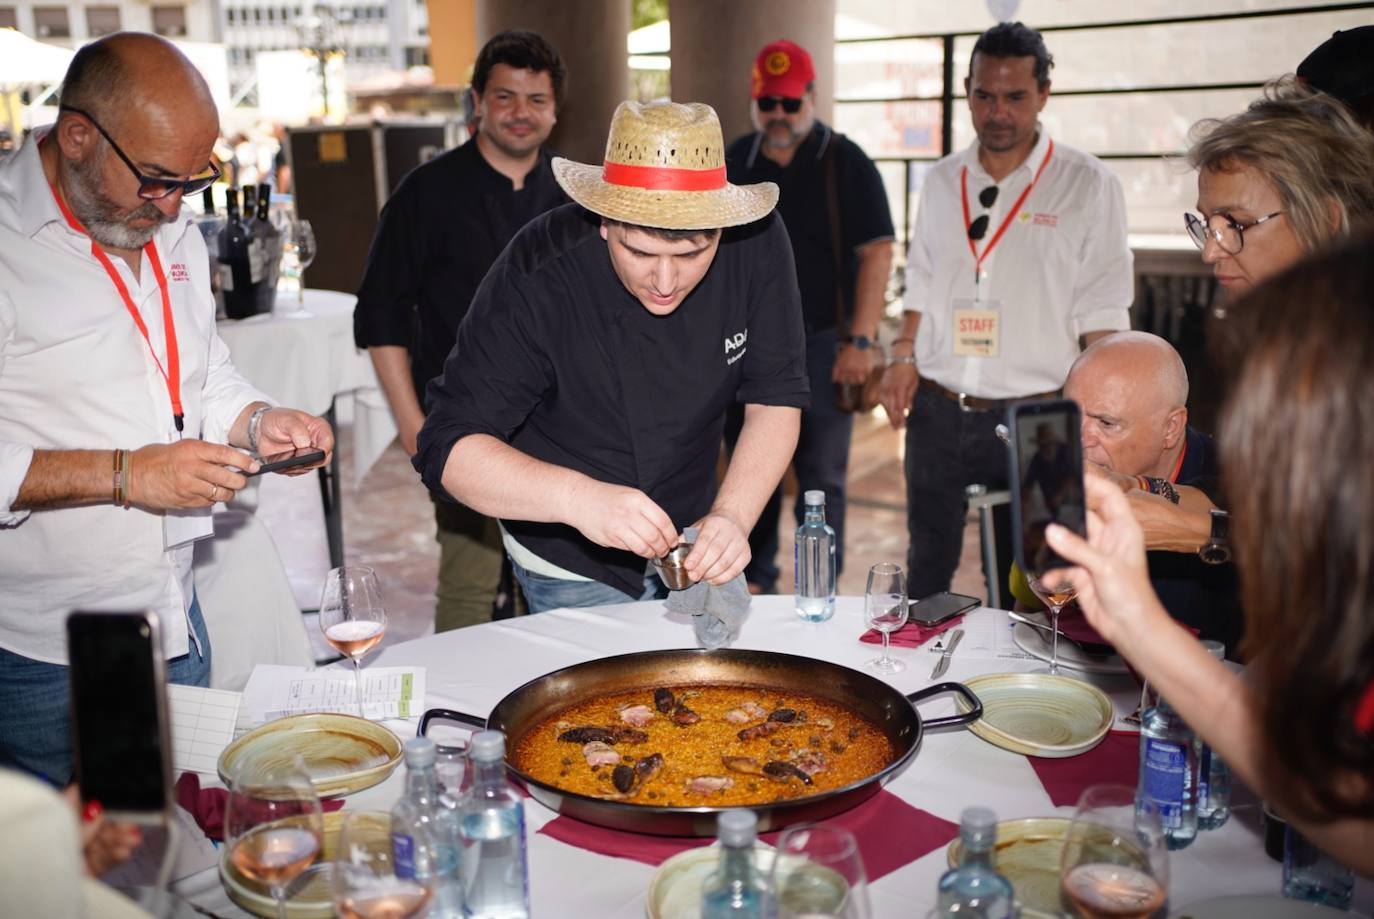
[[864, 214], [446, 223], [559, 360]]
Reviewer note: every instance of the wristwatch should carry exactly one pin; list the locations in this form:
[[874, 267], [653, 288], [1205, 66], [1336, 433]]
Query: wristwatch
[[1216, 551], [862, 342]]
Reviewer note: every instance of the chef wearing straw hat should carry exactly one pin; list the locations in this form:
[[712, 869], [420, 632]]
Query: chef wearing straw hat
[[584, 400]]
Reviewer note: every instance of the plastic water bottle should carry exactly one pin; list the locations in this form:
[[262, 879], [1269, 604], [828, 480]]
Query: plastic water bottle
[[1213, 775], [1168, 773], [496, 879], [974, 888], [736, 890], [815, 562], [422, 806]]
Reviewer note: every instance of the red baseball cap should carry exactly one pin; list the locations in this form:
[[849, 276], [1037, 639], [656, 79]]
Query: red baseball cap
[[782, 68]]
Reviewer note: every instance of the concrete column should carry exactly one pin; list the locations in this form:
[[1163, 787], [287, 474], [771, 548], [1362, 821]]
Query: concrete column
[[590, 36], [714, 43]]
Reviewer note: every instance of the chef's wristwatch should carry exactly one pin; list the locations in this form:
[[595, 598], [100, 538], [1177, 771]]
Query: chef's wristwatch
[[1217, 551]]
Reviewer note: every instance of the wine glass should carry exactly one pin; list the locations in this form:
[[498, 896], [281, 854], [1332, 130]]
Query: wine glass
[[1115, 860], [885, 610], [273, 826], [374, 878], [818, 873], [302, 243], [1056, 595], [352, 616]]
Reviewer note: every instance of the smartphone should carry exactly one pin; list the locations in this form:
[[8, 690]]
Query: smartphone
[[936, 608], [120, 739], [1046, 477], [300, 456]]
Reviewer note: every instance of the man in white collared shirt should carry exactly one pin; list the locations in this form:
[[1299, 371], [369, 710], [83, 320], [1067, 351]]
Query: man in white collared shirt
[[1018, 257], [119, 408]]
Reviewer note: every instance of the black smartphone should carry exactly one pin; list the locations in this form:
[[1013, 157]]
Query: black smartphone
[[936, 608], [1046, 478], [300, 456], [120, 740]]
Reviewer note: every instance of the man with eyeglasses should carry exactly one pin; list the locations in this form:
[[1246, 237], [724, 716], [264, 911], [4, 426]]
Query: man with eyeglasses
[[120, 412], [835, 209], [1018, 254]]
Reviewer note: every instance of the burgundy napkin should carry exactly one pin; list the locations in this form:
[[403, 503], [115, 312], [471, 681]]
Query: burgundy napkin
[[1116, 760], [207, 805], [1075, 627], [890, 832], [911, 635]]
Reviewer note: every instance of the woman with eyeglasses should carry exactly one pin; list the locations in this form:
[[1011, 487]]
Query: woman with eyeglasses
[[1276, 181]]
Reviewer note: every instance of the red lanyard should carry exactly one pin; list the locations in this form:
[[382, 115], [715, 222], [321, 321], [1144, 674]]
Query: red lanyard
[[171, 375], [1006, 221]]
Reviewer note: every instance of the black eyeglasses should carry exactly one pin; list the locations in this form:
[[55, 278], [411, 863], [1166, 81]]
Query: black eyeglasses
[[1228, 234], [789, 105], [979, 228], [152, 188]]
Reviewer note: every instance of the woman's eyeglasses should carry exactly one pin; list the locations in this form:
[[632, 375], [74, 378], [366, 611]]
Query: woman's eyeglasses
[[979, 228], [152, 188], [768, 103], [1224, 229]]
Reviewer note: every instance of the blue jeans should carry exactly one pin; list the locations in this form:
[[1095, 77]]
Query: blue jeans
[[35, 705], [543, 593], [821, 462]]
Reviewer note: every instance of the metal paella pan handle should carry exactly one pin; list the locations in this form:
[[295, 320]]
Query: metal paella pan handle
[[448, 714], [950, 721]]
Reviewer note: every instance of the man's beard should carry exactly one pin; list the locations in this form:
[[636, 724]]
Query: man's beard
[[790, 139], [101, 217]]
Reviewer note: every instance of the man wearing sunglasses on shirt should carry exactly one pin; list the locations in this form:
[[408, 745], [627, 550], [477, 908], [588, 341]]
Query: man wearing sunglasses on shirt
[[832, 202], [1017, 259], [120, 412]]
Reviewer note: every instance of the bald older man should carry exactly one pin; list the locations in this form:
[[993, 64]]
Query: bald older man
[[122, 420], [1133, 390]]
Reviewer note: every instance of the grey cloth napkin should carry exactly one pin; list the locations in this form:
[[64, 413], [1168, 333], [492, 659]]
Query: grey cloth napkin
[[717, 612]]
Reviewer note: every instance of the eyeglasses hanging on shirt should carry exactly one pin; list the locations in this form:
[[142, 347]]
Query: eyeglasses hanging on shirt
[[979, 228]]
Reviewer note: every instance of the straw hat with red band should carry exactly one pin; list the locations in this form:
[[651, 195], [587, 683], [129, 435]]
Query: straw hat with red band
[[783, 68], [665, 168]]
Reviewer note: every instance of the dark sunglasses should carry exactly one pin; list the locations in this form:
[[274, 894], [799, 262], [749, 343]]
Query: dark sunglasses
[[979, 228], [789, 105], [152, 188]]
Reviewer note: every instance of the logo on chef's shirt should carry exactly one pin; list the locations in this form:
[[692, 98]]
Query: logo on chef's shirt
[[179, 272], [735, 347]]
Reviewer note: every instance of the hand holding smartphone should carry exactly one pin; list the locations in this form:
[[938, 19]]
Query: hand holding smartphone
[[289, 459], [1046, 475]]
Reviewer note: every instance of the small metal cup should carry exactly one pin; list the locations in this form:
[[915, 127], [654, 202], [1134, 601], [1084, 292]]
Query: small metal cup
[[670, 569]]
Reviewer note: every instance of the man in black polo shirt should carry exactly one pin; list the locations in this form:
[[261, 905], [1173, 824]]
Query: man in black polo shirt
[[447, 222], [828, 187], [584, 401]]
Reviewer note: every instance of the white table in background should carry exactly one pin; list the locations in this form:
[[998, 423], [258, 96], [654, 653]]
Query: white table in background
[[471, 669]]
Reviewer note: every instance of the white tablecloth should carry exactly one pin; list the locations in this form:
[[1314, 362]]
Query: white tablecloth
[[471, 669]]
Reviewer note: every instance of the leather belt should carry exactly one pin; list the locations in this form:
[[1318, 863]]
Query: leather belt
[[969, 403]]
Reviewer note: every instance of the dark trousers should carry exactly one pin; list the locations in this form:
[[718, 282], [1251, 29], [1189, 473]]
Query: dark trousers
[[821, 462], [947, 450]]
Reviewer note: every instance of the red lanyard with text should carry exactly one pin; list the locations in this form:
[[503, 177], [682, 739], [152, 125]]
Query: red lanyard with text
[[1006, 221], [171, 375]]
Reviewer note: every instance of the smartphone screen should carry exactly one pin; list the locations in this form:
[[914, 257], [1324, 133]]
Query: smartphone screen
[[300, 456], [936, 608], [1046, 478], [118, 699]]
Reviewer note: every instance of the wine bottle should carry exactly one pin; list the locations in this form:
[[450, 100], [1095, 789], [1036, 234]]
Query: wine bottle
[[235, 272], [270, 236]]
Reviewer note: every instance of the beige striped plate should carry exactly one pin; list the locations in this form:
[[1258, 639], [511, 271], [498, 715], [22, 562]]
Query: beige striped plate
[[1037, 714]]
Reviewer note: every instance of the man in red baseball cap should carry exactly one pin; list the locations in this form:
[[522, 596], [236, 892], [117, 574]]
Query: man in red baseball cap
[[836, 213]]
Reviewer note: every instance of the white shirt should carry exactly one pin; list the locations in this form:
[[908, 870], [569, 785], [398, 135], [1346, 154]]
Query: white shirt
[[1062, 269], [76, 374]]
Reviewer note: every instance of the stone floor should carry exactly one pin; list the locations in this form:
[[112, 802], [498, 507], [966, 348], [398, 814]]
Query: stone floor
[[388, 524]]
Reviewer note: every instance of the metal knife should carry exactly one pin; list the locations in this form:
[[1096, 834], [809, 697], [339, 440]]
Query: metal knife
[[943, 663]]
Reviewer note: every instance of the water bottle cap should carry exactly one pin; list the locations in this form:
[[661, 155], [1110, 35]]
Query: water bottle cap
[[737, 827], [1216, 649], [815, 497], [420, 752], [978, 825], [487, 747]]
